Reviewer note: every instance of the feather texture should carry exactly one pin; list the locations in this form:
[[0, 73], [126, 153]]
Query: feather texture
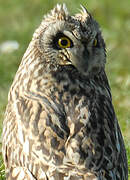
[[60, 123]]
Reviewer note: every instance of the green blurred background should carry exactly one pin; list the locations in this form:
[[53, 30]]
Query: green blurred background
[[19, 19]]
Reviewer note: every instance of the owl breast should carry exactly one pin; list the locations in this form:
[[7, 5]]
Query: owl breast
[[73, 132]]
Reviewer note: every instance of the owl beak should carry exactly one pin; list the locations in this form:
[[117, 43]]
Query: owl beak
[[80, 64], [79, 59]]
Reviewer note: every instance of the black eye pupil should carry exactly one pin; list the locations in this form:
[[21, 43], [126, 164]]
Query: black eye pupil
[[64, 42]]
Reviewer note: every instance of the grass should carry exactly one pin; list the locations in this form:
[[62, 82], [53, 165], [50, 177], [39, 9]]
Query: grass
[[18, 20]]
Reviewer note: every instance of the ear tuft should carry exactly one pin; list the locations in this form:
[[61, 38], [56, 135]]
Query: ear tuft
[[59, 12], [84, 14]]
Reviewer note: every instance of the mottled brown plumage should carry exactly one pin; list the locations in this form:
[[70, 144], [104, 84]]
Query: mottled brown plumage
[[60, 123]]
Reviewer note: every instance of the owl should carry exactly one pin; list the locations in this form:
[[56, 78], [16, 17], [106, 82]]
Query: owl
[[60, 123]]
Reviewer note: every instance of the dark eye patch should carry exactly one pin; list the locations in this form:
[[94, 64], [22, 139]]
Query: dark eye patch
[[63, 42]]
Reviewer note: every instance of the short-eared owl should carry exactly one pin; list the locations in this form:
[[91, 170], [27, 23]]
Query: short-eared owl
[[60, 123]]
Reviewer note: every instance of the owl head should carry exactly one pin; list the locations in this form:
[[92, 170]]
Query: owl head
[[75, 41]]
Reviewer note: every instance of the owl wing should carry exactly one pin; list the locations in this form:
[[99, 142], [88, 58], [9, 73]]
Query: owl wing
[[19, 173], [32, 139]]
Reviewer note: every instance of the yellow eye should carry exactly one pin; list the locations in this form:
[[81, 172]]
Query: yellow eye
[[95, 42], [64, 42]]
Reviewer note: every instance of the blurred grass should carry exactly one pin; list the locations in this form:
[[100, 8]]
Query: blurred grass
[[19, 19]]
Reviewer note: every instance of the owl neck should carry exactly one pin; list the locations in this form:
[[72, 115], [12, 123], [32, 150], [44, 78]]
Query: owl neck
[[37, 75]]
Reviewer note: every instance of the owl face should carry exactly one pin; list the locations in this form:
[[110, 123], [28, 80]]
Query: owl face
[[73, 41]]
